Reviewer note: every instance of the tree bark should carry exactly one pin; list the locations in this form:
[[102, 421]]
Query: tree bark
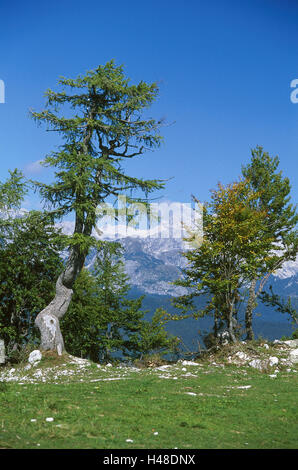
[[251, 304], [231, 327], [47, 321]]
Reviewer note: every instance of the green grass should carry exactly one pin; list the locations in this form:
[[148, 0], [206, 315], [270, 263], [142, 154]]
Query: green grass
[[103, 415]]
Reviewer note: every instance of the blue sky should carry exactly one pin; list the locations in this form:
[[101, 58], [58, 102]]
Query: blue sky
[[224, 69]]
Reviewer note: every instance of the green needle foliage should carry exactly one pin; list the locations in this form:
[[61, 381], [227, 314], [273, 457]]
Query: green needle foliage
[[12, 193], [106, 129], [280, 224], [103, 126], [102, 323]]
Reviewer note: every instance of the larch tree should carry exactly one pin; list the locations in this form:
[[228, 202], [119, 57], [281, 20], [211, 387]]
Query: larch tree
[[103, 127]]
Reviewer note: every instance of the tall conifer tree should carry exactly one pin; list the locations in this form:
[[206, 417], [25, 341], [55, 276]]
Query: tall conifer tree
[[103, 126], [281, 218]]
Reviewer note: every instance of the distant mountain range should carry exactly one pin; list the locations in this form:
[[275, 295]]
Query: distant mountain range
[[152, 264]]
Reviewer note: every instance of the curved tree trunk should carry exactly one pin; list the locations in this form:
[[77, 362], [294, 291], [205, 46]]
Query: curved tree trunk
[[47, 321]]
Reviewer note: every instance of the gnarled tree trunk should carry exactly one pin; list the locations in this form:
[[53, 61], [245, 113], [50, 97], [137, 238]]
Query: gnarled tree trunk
[[47, 321]]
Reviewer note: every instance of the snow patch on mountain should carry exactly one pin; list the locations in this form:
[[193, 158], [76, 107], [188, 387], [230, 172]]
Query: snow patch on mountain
[[153, 260], [289, 269]]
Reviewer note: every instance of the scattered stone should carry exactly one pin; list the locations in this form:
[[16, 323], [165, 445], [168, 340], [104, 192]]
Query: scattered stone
[[34, 357], [245, 387], [266, 346], [189, 363], [293, 356], [38, 373], [256, 364], [273, 361], [241, 355], [293, 343], [163, 367], [224, 338], [49, 420]]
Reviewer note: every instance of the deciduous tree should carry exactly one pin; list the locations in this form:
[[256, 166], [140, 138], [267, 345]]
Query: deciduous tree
[[234, 240]]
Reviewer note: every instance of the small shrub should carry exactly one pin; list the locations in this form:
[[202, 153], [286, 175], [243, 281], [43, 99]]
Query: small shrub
[[150, 360], [295, 334], [20, 356], [3, 387]]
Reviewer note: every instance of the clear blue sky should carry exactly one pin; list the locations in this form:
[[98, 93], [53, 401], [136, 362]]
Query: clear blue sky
[[224, 69]]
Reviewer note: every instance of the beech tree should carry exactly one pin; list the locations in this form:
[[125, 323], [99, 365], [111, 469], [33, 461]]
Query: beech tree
[[103, 127], [234, 240]]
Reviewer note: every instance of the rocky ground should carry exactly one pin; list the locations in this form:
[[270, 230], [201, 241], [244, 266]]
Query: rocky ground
[[268, 358]]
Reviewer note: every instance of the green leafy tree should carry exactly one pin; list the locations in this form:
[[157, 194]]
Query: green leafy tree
[[106, 128], [225, 260], [281, 219], [29, 263]]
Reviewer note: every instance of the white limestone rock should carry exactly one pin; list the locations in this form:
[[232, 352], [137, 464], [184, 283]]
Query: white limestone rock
[[189, 363], [273, 361], [241, 355], [34, 357], [293, 343], [293, 356], [256, 364]]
